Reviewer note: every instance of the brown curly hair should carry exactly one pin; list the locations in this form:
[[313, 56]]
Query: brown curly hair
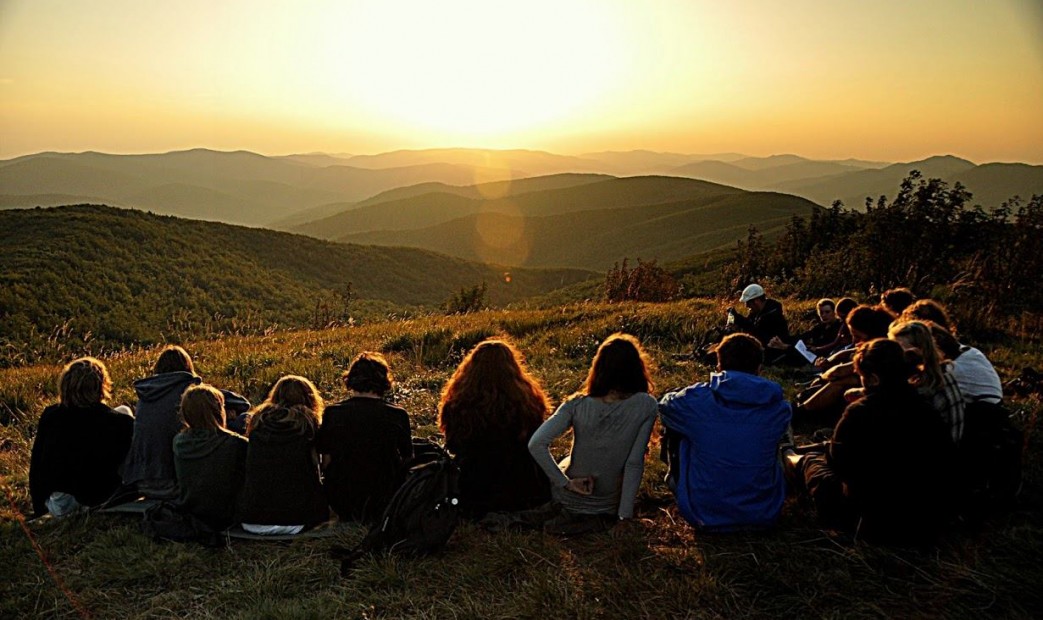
[[491, 394]]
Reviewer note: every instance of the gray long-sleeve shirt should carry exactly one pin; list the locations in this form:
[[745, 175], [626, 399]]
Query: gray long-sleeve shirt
[[609, 442]]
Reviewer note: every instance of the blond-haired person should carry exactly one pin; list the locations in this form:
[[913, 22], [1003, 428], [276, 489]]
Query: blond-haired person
[[80, 443], [282, 493], [210, 460]]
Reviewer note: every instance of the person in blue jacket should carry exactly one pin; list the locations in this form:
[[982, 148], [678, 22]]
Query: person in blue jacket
[[730, 475]]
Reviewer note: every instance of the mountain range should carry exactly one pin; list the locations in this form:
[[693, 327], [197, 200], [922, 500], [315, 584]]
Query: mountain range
[[287, 191]]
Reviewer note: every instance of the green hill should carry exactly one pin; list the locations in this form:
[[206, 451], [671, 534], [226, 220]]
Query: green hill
[[595, 239], [423, 204], [127, 276], [432, 209]]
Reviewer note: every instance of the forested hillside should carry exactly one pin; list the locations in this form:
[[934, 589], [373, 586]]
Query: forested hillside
[[125, 277]]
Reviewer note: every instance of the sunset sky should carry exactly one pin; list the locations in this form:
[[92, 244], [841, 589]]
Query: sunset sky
[[886, 80]]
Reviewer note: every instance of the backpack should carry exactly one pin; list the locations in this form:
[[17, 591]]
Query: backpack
[[168, 521], [990, 459], [421, 515]]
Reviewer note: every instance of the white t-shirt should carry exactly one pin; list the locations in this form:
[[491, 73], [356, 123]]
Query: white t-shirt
[[976, 376]]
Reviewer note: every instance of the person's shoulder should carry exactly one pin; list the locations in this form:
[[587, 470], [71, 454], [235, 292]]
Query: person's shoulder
[[644, 400]]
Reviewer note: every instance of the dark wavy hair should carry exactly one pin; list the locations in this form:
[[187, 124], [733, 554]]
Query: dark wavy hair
[[885, 359], [896, 300], [369, 372], [929, 310], [869, 320], [620, 366], [491, 394]]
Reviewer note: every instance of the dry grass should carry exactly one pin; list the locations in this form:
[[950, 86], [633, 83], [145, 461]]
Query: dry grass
[[654, 567]]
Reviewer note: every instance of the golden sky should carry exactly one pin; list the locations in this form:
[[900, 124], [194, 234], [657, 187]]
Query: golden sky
[[879, 79]]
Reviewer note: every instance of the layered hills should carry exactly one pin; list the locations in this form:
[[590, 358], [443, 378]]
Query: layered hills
[[128, 276], [588, 226], [290, 190]]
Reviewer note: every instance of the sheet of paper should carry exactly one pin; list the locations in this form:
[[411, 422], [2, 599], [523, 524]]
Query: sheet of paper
[[803, 350]]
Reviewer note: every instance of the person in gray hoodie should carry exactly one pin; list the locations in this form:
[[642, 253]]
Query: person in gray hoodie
[[210, 460], [149, 466]]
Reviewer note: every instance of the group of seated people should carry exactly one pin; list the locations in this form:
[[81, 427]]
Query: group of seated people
[[280, 467]]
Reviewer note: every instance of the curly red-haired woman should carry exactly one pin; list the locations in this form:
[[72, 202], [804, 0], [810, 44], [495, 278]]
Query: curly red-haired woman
[[489, 410]]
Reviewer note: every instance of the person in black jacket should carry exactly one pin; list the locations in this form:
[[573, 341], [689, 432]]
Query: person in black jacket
[[283, 490], [766, 319], [365, 442], [888, 471], [80, 443]]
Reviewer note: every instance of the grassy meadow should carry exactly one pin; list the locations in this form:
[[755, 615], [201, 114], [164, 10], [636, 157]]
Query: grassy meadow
[[655, 566]]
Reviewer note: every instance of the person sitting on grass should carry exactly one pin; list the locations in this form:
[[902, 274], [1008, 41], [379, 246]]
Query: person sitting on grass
[[766, 319], [824, 399], [611, 420], [729, 475], [975, 374], [886, 473], [150, 462], [489, 410], [80, 443], [283, 494], [365, 442], [933, 376], [843, 338], [210, 460], [824, 332]]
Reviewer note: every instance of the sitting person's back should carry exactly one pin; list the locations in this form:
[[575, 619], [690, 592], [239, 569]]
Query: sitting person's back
[[730, 475], [210, 460], [489, 410], [80, 443], [365, 443], [150, 462], [282, 492], [611, 423]]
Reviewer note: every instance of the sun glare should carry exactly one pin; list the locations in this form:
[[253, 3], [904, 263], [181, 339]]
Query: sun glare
[[476, 68]]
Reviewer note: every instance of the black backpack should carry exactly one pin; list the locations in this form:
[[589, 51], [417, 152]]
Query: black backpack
[[990, 459], [421, 515]]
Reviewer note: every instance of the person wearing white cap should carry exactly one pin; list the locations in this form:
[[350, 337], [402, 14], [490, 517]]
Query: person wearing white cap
[[765, 321]]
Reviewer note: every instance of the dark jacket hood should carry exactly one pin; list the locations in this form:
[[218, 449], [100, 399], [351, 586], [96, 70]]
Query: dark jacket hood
[[197, 443], [739, 389], [158, 387]]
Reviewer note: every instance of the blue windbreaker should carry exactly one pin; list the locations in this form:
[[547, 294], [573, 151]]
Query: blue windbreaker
[[730, 471]]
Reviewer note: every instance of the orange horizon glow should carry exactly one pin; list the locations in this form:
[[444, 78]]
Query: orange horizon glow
[[887, 81]]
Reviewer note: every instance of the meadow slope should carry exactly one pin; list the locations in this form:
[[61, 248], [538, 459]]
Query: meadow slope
[[655, 566]]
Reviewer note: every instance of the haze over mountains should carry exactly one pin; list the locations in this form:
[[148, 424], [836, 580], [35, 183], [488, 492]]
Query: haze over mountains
[[247, 188]]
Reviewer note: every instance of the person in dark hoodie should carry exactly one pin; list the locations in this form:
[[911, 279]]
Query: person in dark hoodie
[[149, 468], [283, 491], [209, 459], [80, 443], [729, 474], [150, 463]]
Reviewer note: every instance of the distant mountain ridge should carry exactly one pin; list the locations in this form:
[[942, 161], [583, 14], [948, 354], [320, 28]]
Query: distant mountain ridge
[[290, 190]]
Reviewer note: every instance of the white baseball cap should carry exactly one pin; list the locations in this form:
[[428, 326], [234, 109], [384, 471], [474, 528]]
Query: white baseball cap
[[752, 291]]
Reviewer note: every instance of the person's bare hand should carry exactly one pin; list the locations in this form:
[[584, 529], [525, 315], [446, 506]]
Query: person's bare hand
[[581, 486], [776, 343]]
